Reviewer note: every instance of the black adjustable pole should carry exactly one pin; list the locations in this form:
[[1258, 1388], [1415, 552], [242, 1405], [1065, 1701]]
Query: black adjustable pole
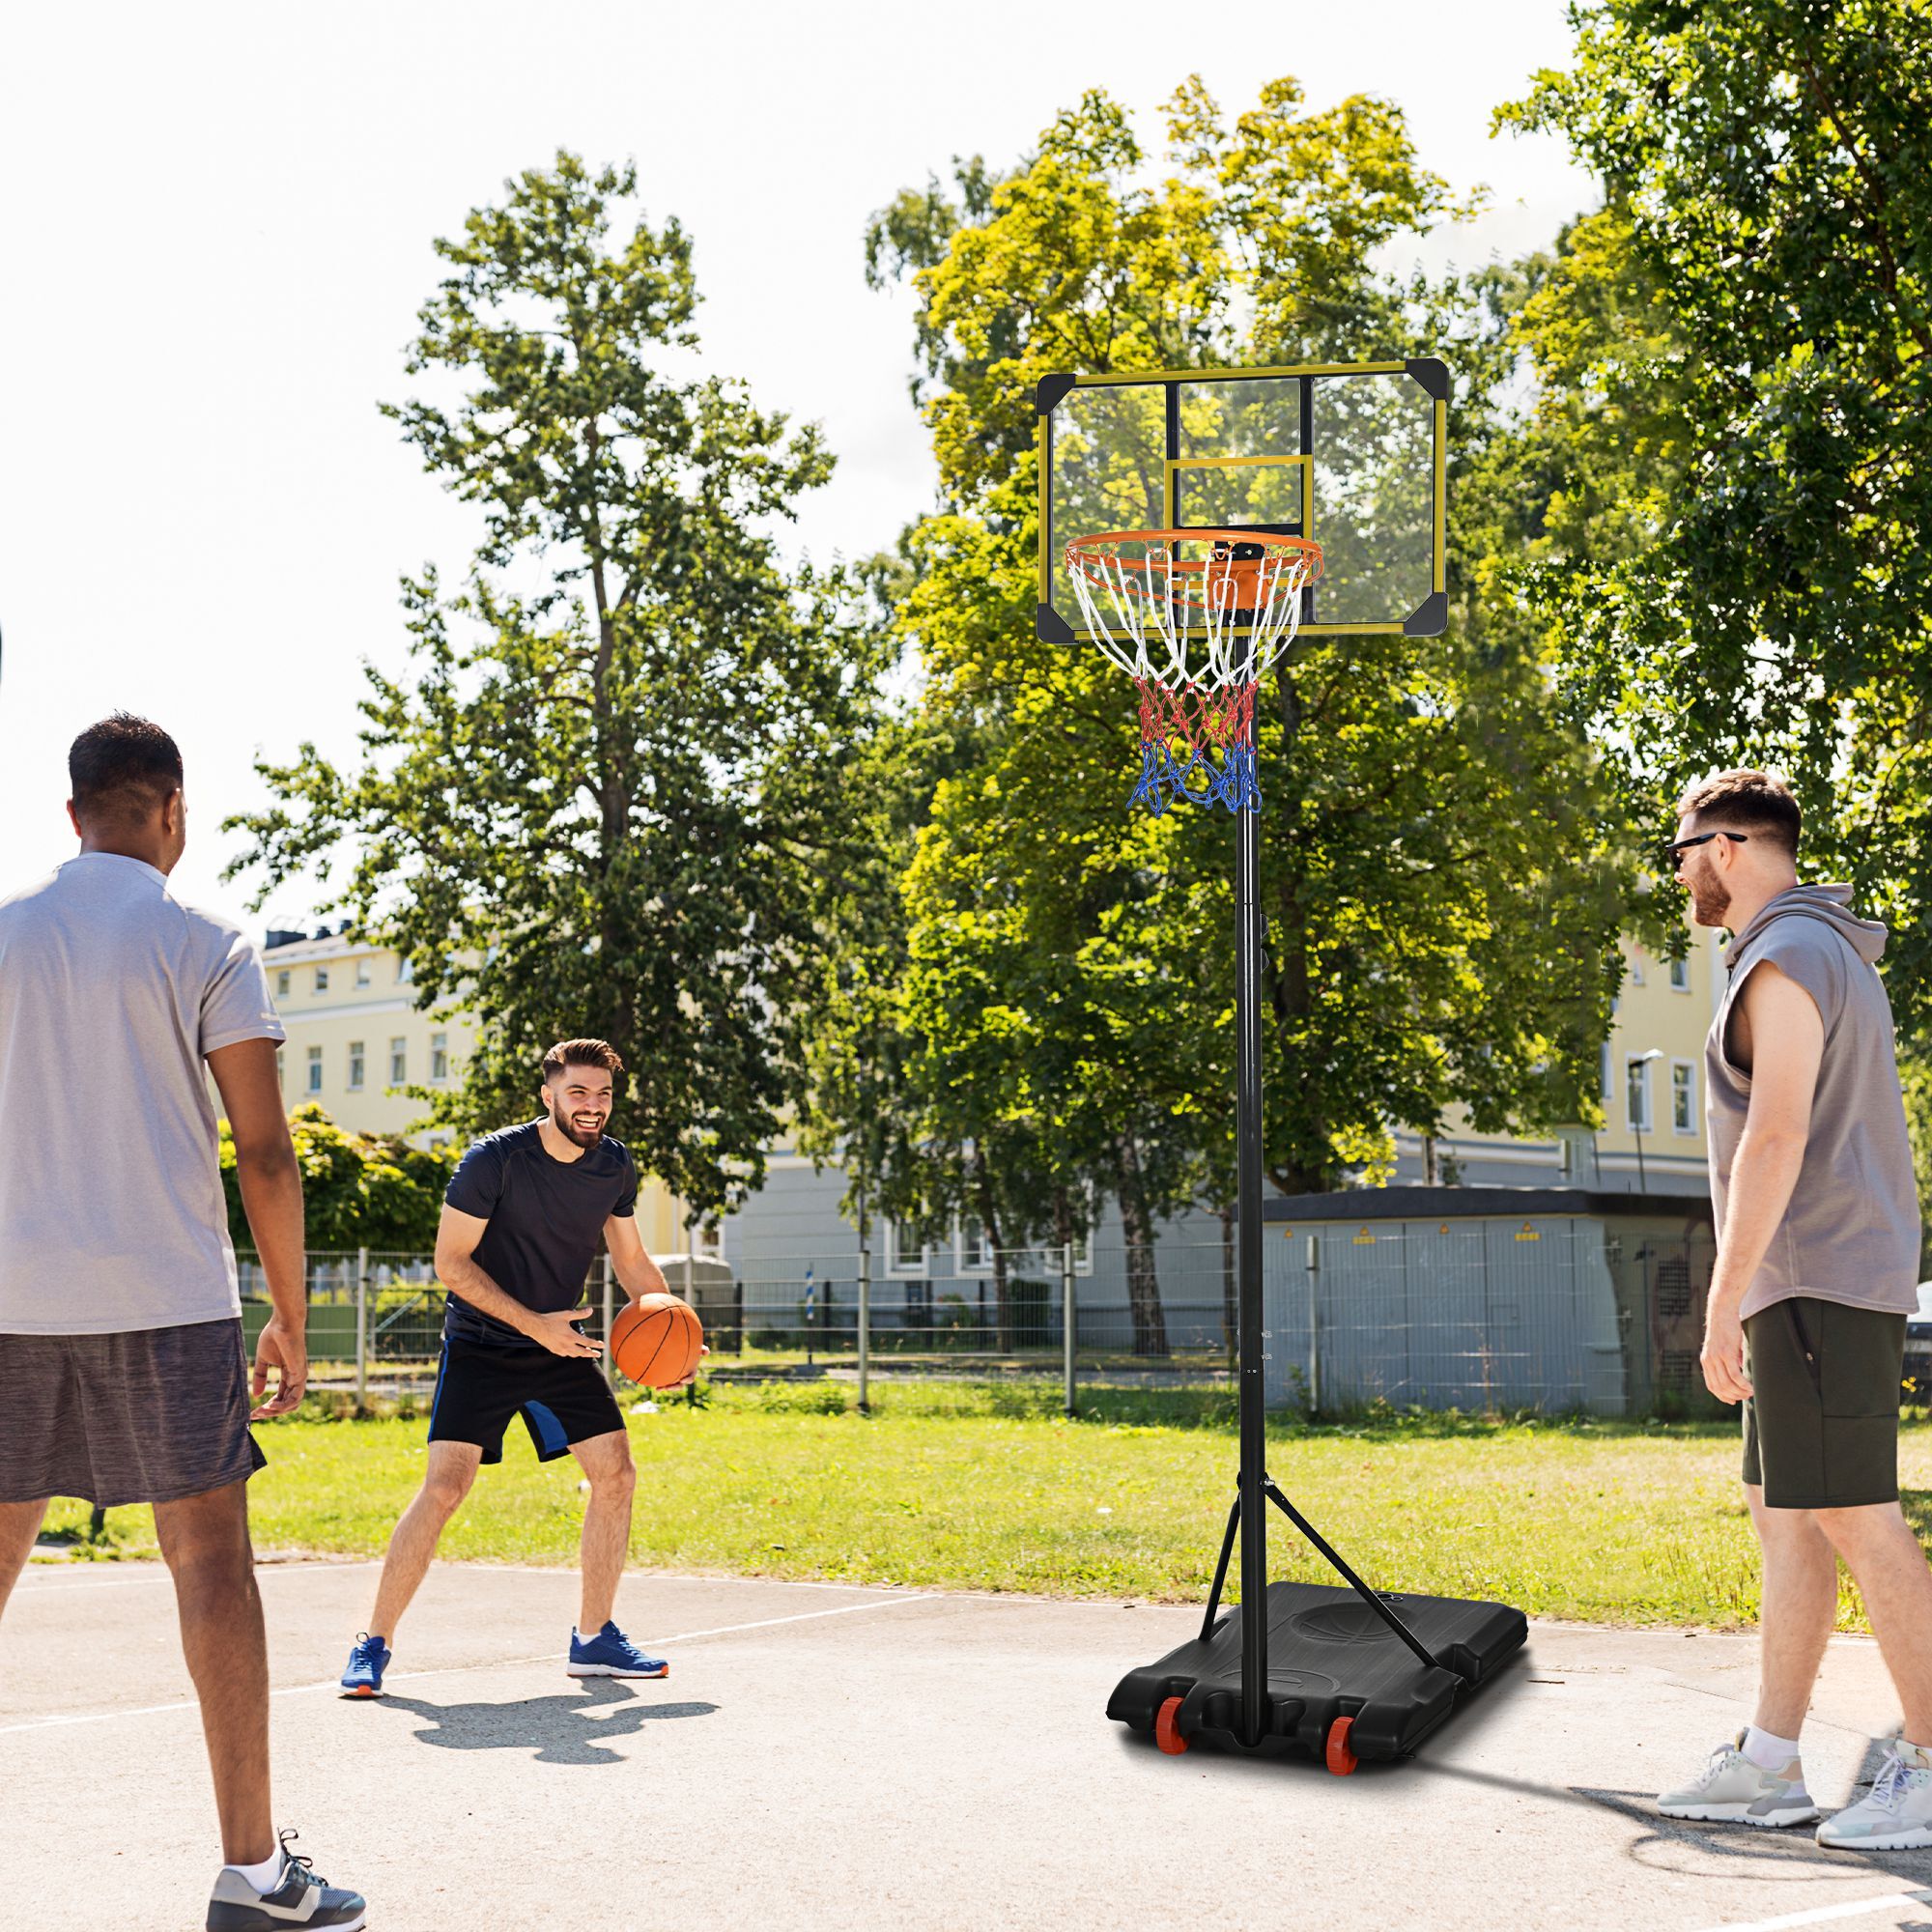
[[1248, 1266]]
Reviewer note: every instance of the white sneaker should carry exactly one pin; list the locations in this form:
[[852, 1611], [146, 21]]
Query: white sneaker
[[1897, 1817], [1733, 1790]]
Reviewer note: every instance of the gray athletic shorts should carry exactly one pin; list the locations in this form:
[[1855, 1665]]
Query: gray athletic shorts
[[148, 1416]]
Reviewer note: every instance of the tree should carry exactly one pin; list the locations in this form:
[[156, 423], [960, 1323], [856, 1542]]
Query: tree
[[606, 797], [359, 1190], [1757, 288], [1441, 877]]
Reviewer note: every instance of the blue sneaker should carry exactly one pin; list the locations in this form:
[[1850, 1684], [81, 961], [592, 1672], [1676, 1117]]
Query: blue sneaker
[[368, 1661], [611, 1654]]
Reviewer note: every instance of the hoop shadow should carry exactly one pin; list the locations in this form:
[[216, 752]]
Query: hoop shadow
[[559, 1730]]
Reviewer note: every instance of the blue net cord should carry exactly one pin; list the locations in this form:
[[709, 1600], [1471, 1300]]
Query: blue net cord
[[1197, 747]]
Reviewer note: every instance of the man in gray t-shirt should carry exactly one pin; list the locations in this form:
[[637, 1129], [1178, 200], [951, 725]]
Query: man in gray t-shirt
[[122, 1376], [1818, 1230]]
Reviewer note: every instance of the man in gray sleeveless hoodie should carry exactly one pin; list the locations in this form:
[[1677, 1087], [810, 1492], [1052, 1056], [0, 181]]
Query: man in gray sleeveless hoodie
[[1818, 1229]]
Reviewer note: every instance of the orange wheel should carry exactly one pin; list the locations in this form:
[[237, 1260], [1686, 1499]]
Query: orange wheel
[[1166, 1729], [1338, 1757]]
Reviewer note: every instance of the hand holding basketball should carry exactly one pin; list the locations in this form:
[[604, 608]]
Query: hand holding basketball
[[657, 1342], [556, 1334]]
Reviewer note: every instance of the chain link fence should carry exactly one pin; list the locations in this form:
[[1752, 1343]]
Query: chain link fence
[[1556, 1315]]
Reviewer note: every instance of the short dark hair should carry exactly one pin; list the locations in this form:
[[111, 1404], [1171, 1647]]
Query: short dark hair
[[1750, 802], [581, 1053], [122, 768]]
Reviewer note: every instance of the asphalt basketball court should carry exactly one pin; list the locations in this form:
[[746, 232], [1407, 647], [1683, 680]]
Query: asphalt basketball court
[[828, 1757]]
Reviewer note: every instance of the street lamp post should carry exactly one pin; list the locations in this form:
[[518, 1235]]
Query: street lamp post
[[1638, 1114]]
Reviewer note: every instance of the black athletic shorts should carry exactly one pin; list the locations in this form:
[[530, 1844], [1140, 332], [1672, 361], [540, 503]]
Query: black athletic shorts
[[1821, 1423], [562, 1399]]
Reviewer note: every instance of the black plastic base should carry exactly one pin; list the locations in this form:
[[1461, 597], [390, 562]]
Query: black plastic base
[[1329, 1657]]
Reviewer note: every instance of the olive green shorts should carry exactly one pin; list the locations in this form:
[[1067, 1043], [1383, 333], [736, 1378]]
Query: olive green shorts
[[1821, 1423]]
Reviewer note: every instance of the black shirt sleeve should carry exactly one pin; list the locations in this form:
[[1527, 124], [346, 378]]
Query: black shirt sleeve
[[626, 1203], [477, 1185]]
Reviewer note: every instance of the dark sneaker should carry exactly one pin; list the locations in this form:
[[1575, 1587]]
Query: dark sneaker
[[367, 1663], [300, 1897], [611, 1654]]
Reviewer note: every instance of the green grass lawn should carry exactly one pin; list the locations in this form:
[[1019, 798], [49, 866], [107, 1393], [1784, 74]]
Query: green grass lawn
[[988, 1488]]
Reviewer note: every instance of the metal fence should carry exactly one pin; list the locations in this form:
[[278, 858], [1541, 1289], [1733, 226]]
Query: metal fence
[[1556, 1315]]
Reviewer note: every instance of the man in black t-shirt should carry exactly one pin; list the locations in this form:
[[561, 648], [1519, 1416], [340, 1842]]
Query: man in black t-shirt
[[521, 1223]]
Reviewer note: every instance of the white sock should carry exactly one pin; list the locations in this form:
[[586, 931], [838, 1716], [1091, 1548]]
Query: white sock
[[263, 1877], [1766, 1752]]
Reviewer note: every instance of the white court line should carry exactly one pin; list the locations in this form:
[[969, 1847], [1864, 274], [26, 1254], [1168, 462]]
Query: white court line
[[161, 1575], [453, 1670], [1851, 1908]]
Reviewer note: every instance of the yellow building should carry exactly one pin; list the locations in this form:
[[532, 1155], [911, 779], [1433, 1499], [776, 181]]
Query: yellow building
[[1651, 1081], [358, 1039]]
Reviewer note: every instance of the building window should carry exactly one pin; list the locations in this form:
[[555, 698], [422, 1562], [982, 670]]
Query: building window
[[404, 973], [355, 1064], [971, 1252], [904, 1254], [710, 1240], [1680, 976], [439, 1058], [321, 978], [1606, 1092], [1683, 1097], [363, 974], [1636, 1094], [1635, 975], [399, 1062], [315, 1070], [282, 979]]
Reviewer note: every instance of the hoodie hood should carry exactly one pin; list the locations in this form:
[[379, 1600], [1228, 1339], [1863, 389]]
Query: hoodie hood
[[1832, 904]]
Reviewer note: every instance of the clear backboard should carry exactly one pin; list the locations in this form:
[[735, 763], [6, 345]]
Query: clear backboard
[[1349, 454]]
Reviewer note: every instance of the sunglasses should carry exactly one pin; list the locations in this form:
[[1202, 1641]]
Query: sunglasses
[[1672, 851]]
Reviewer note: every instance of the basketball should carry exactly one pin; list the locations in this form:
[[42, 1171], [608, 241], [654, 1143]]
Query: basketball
[[656, 1341]]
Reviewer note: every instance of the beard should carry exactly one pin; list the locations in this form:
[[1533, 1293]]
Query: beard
[[1710, 903], [578, 1136]]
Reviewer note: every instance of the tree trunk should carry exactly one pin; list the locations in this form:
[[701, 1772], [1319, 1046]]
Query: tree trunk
[[1231, 1310], [1142, 1282], [983, 1188]]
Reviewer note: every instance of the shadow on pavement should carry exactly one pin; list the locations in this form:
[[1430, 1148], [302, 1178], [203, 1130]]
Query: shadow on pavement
[[559, 1730], [1765, 1853]]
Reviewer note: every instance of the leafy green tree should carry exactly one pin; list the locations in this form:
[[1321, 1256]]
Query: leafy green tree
[[607, 795], [1745, 338], [1441, 898], [359, 1190]]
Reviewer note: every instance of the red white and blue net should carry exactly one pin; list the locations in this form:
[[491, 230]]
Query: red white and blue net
[[1194, 618]]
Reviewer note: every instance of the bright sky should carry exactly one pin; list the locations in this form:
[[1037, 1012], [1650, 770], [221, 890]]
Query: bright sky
[[217, 224]]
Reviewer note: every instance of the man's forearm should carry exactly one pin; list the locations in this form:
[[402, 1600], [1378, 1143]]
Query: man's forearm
[[641, 1276], [468, 1282], [1763, 1175], [271, 1197]]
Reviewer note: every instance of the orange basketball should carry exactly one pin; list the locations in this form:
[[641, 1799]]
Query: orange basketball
[[656, 1341]]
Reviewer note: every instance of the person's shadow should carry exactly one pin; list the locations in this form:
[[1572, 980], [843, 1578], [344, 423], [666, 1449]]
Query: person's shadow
[[559, 1730]]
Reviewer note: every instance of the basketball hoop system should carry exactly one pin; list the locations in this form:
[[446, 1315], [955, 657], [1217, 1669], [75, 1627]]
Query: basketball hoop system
[[1197, 617]]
